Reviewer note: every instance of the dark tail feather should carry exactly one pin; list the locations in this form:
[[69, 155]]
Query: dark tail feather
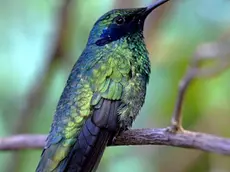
[[97, 131], [88, 149]]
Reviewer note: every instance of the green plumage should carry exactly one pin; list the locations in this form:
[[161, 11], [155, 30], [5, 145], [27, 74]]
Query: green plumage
[[103, 95]]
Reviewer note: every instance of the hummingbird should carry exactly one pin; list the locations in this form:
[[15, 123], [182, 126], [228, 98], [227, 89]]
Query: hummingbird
[[103, 94]]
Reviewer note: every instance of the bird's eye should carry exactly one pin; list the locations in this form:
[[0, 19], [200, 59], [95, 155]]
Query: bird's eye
[[119, 20]]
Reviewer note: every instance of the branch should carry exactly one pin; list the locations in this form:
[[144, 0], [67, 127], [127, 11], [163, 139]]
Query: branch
[[159, 136], [218, 51]]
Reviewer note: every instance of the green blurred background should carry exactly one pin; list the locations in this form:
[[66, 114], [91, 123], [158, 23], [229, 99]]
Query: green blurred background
[[34, 66]]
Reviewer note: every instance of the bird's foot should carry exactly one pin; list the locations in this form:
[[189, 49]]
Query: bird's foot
[[114, 140], [116, 135]]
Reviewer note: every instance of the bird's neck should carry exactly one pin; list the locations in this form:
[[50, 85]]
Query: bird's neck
[[139, 59]]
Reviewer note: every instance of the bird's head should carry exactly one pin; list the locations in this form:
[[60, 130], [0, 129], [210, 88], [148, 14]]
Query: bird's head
[[120, 23]]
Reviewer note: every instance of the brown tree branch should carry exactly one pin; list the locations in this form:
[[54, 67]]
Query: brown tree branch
[[159, 136]]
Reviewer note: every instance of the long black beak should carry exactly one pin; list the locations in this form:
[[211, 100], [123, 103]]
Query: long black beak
[[150, 8]]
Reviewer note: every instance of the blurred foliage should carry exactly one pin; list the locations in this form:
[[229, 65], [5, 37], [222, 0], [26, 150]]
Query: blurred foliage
[[27, 35]]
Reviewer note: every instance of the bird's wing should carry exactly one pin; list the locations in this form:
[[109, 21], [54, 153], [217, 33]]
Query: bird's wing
[[72, 111], [93, 138], [83, 127]]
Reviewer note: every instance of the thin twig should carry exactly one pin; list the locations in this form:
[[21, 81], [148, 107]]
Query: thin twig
[[159, 136], [210, 51], [183, 85]]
